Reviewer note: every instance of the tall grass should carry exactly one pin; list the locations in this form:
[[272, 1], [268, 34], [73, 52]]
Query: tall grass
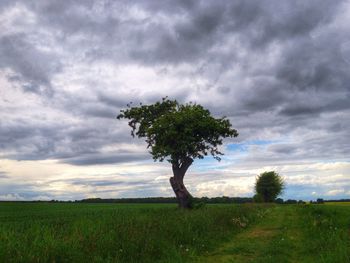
[[327, 229], [43, 232]]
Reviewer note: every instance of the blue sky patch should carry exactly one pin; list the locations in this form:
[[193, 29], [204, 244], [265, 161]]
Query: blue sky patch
[[243, 147]]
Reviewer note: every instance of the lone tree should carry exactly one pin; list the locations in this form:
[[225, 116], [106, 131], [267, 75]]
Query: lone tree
[[178, 133], [268, 186]]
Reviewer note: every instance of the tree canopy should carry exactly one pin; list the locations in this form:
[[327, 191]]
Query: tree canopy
[[268, 186], [176, 131]]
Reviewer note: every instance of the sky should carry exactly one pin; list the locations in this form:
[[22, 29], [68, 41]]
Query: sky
[[279, 70]]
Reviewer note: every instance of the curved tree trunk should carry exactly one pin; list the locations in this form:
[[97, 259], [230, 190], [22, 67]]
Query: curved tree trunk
[[182, 195]]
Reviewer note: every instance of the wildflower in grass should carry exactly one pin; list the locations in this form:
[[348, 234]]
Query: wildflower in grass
[[240, 222]]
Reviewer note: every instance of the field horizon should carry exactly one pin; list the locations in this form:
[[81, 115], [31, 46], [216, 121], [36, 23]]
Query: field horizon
[[160, 199]]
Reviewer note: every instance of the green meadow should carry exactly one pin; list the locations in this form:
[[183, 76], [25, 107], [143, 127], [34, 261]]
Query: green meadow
[[76, 232]]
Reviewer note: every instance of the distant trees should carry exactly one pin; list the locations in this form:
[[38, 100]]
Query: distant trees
[[178, 133], [268, 186], [318, 201], [279, 201], [289, 201], [166, 200]]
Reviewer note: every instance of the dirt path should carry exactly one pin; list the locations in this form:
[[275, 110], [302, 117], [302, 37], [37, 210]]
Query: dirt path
[[276, 238]]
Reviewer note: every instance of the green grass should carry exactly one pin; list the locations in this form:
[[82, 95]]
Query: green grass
[[265, 242], [328, 227], [63, 232], [291, 233], [338, 203]]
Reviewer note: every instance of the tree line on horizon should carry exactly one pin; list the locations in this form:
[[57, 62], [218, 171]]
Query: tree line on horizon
[[205, 200]]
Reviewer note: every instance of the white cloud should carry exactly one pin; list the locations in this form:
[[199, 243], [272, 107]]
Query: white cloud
[[11, 197], [335, 192], [16, 19]]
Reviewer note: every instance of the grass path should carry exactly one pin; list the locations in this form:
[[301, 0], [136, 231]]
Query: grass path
[[277, 238]]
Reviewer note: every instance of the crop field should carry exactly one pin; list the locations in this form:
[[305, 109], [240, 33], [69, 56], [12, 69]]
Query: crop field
[[72, 232]]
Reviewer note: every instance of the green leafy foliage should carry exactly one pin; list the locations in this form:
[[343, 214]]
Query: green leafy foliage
[[178, 132], [268, 186]]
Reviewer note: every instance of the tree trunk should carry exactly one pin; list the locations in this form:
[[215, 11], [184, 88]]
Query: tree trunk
[[182, 195]]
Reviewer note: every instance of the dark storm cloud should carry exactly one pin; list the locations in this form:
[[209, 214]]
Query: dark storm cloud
[[300, 110], [277, 65], [5, 3], [104, 158], [79, 144], [99, 111], [313, 147], [31, 141], [32, 68], [274, 20], [113, 101], [315, 63], [186, 41], [207, 24], [283, 149], [202, 26]]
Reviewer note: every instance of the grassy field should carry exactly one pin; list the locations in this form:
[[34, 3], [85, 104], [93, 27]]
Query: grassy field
[[291, 233], [63, 232], [44, 232]]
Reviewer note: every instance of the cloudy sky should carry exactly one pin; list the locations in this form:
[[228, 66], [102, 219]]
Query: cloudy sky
[[279, 70]]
